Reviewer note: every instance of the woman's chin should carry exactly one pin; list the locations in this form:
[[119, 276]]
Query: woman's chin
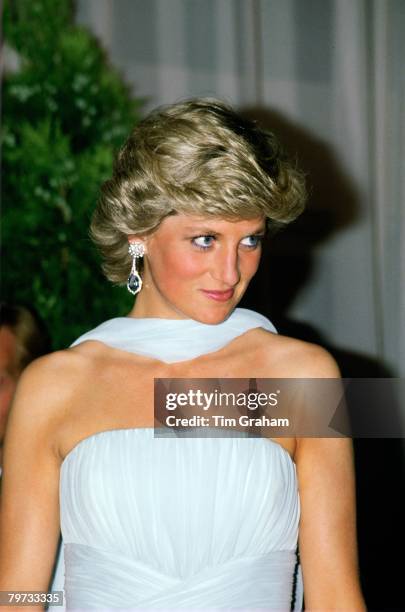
[[213, 316]]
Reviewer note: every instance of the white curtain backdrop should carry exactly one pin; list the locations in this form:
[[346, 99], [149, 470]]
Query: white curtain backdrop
[[331, 72]]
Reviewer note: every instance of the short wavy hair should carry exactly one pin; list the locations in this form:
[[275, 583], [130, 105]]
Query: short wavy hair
[[195, 157]]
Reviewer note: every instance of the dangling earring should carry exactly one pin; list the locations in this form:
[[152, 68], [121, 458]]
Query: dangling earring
[[134, 284]]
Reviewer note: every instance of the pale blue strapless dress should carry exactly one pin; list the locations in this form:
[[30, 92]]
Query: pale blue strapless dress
[[179, 522]]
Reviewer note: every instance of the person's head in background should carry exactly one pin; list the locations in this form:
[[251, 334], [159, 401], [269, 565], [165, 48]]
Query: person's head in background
[[23, 338]]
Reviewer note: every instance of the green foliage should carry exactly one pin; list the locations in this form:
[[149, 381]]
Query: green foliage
[[65, 112]]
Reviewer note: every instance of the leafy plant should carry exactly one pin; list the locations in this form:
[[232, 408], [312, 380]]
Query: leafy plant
[[66, 110]]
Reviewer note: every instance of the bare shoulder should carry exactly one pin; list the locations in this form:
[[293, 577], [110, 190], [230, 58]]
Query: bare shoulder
[[57, 373], [47, 387], [293, 358]]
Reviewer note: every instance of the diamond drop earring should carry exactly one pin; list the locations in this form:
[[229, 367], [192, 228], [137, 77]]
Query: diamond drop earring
[[136, 250]]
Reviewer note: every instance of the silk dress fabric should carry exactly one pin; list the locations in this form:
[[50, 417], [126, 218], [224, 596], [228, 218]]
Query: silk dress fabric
[[179, 522]]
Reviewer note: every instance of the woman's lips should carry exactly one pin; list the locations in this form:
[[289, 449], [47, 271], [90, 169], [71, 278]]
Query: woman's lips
[[219, 296]]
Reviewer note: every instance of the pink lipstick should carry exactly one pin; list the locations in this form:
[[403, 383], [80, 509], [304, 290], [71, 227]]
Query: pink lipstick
[[219, 296]]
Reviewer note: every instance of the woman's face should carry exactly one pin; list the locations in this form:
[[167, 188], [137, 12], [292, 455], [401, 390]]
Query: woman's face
[[198, 267]]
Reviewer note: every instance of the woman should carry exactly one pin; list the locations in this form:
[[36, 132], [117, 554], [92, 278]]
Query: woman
[[164, 522]]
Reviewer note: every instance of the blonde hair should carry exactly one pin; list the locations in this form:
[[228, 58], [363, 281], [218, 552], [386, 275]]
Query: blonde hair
[[195, 157]]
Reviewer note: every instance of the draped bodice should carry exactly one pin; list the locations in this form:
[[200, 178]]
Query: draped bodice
[[174, 522]]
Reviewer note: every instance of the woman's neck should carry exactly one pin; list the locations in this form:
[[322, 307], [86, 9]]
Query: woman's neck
[[146, 308]]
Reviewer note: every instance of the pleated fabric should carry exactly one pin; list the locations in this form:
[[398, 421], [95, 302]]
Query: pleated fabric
[[175, 522]]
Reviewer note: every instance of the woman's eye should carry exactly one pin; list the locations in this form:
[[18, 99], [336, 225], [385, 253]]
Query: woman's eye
[[206, 241], [252, 241], [203, 242]]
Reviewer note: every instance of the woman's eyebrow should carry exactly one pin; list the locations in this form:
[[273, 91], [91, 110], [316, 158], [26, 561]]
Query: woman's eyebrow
[[260, 230], [201, 229], [211, 231]]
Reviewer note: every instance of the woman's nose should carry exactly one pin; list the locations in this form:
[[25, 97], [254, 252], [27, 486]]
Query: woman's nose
[[226, 268]]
